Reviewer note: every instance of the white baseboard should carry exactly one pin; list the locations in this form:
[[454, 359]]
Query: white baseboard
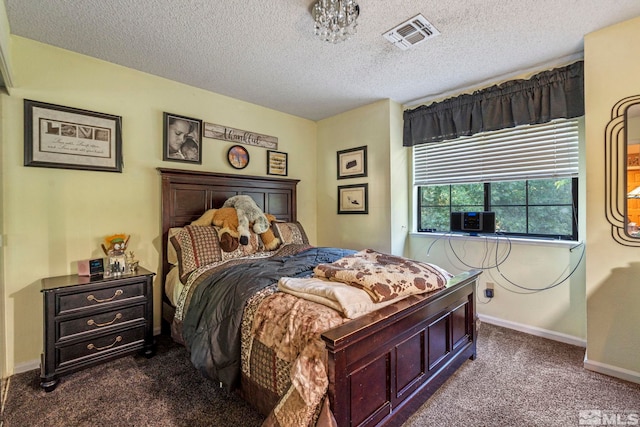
[[26, 366], [533, 330], [612, 371]]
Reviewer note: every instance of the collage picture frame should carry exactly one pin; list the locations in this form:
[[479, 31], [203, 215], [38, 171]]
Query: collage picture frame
[[56, 136]]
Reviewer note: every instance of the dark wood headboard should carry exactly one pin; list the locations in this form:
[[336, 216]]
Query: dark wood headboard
[[188, 194]]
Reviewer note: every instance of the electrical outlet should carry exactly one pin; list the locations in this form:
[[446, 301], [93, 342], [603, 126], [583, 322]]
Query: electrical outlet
[[488, 290]]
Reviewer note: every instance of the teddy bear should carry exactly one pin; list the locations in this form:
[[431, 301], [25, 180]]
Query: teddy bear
[[248, 213], [226, 219]]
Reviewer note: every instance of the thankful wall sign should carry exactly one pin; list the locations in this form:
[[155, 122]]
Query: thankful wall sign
[[226, 133]]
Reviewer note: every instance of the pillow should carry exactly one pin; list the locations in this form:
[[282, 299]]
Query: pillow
[[290, 232], [196, 246], [384, 277], [172, 257]]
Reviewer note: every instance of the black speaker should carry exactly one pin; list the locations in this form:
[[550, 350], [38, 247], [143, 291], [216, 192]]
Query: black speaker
[[473, 222]]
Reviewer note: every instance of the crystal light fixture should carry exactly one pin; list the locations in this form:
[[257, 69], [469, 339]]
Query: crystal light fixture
[[335, 19]]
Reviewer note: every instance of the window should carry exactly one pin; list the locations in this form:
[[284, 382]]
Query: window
[[527, 175]]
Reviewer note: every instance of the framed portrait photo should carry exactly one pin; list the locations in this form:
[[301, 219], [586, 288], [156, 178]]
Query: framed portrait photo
[[353, 199], [238, 157], [69, 138], [182, 138], [352, 163], [276, 163]]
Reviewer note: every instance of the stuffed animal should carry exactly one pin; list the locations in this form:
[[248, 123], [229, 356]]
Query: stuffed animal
[[226, 219], [116, 244], [248, 212], [269, 239]]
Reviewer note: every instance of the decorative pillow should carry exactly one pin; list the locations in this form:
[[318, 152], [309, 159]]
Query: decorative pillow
[[172, 256], [384, 277], [290, 232], [196, 246]]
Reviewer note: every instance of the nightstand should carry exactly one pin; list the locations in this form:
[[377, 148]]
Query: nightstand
[[90, 320]]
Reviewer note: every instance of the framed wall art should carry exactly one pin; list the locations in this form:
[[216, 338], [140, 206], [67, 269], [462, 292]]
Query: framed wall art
[[353, 199], [352, 163], [238, 157], [182, 139], [69, 138], [276, 163]]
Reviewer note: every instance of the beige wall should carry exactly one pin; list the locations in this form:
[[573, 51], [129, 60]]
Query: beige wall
[[3, 336], [378, 126], [557, 313], [5, 70], [612, 72], [54, 217]]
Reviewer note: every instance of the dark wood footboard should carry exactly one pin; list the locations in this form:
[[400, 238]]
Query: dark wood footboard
[[384, 365]]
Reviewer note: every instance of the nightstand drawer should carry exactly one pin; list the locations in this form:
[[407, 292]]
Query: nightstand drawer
[[82, 300], [96, 322], [91, 320], [100, 346]]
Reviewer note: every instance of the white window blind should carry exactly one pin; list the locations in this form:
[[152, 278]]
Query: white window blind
[[526, 152]]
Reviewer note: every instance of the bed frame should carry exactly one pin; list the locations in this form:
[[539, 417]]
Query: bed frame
[[382, 366]]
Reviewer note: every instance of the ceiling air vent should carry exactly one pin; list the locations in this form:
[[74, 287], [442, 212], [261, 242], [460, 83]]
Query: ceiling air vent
[[410, 33]]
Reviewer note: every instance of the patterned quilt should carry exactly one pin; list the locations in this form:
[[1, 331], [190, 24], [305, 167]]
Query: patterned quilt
[[242, 332], [384, 277], [210, 310], [287, 358]]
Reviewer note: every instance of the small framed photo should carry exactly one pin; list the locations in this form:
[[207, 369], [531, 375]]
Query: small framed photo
[[69, 138], [276, 163], [238, 157], [353, 199], [182, 139], [352, 163]]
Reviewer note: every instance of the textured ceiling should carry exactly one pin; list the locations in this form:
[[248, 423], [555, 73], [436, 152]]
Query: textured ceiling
[[264, 52]]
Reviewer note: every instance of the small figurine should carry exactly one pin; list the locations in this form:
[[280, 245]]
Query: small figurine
[[132, 262], [116, 244]]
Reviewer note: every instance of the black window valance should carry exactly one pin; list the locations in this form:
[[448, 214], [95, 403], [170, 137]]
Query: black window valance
[[552, 94]]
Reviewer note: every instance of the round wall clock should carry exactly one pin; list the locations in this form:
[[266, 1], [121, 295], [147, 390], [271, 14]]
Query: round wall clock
[[238, 157]]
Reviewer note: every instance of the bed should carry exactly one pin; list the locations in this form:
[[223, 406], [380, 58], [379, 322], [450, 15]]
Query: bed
[[381, 366]]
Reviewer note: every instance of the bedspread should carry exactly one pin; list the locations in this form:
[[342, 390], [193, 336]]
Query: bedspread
[[213, 311], [291, 328]]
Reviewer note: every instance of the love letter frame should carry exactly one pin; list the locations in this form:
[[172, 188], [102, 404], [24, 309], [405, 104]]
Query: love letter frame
[[69, 138]]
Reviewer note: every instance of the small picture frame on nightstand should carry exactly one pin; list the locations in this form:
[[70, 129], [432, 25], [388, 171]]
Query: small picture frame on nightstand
[[117, 264]]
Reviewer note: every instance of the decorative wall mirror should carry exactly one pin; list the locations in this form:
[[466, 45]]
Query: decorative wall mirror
[[622, 171]]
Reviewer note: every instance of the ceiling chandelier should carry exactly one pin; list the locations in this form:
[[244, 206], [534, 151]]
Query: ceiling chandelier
[[335, 19]]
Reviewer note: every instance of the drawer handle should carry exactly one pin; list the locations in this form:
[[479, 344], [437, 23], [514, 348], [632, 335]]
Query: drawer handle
[[93, 347], [92, 322], [117, 294]]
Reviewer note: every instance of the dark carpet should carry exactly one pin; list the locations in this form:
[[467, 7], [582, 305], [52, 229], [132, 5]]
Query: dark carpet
[[516, 380]]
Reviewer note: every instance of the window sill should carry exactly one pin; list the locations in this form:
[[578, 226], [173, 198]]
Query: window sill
[[494, 237]]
